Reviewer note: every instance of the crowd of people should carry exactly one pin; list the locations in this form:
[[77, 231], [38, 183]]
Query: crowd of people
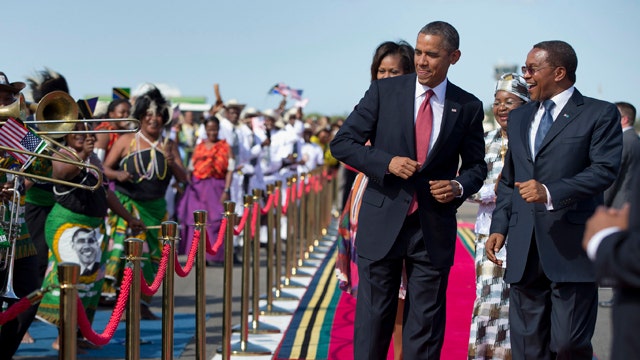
[[413, 150], [140, 166]]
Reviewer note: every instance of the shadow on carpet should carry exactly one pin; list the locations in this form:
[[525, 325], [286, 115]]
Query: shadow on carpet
[[150, 338]]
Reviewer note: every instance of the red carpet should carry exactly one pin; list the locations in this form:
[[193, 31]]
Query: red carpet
[[460, 296]]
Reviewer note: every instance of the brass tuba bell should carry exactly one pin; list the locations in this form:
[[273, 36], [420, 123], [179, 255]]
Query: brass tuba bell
[[59, 106], [16, 110]]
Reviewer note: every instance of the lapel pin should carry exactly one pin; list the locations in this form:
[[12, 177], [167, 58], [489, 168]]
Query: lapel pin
[[454, 110], [566, 115]]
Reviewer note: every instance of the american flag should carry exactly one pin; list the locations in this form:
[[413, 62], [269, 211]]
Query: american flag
[[14, 134], [286, 90]]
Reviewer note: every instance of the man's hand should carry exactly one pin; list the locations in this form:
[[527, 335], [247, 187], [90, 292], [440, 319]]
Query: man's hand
[[403, 167], [532, 191], [492, 246], [443, 191], [604, 218]]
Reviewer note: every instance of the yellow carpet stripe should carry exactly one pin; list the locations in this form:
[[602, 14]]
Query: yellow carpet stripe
[[318, 295]]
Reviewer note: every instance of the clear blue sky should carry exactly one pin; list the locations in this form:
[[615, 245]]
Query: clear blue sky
[[323, 47]]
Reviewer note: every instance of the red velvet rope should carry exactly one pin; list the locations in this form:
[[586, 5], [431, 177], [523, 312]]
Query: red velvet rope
[[212, 250], [153, 288], [276, 197], [114, 320], [238, 229], [286, 201], [183, 272], [14, 310], [254, 214], [267, 206]]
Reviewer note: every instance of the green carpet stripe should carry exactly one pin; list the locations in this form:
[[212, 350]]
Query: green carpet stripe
[[319, 326], [467, 236], [309, 331]]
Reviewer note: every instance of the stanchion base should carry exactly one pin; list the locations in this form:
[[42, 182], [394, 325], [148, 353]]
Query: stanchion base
[[247, 350], [297, 272], [258, 328], [291, 284], [317, 255], [280, 295], [274, 310]]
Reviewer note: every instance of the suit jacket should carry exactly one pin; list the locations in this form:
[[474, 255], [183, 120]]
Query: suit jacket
[[578, 159], [385, 115], [618, 193], [617, 263]]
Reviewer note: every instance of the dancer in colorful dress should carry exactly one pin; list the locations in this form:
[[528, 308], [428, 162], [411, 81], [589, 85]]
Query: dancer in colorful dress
[[211, 167], [142, 165], [74, 229]]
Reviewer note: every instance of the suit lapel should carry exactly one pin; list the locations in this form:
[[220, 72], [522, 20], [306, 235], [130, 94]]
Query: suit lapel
[[525, 128], [406, 99]]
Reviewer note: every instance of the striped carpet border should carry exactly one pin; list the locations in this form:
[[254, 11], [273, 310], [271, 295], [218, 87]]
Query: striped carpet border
[[309, 332], [467, 236]]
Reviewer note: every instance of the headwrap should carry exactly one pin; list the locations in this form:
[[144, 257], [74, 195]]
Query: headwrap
[[45, 82], [514, 84], [154, 101]]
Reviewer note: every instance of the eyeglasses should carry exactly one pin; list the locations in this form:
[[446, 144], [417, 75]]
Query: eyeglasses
[[531, 70], [508, 104]]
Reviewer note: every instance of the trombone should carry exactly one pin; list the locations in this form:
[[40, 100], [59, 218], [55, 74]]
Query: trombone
[[63, 159], [11, 229], [57, 114]]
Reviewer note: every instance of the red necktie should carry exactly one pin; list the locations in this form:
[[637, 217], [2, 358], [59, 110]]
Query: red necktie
[[424, 125]]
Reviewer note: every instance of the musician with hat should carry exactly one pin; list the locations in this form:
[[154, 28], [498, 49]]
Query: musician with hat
[[25, 277]]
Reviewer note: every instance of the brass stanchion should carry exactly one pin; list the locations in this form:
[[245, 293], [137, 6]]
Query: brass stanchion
[[303, 222], [244, 347], [169, 233], [269, 308], [230, 215], [133, 255], [200, 220], [292, 220], [68, 276], [279, 294], [257, 326], [321, 207], [303, 225]]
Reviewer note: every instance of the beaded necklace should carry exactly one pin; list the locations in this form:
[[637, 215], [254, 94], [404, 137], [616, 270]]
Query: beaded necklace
[[152, 167]]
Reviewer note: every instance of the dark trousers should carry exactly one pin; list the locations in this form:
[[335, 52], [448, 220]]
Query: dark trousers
[[425, 305], [25, 281], [551, 320]]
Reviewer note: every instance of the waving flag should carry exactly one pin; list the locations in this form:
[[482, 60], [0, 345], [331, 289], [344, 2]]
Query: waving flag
[[285, 90], [15, 135]]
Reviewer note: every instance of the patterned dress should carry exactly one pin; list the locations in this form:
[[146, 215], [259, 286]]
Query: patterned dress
[[75, 232], [204, 192], [144, 199], [489, 338], [347, 262]]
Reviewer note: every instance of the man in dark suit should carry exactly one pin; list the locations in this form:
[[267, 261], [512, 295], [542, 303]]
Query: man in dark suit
[[618, 193], [564, 151], [408, 212], [612, 240]]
